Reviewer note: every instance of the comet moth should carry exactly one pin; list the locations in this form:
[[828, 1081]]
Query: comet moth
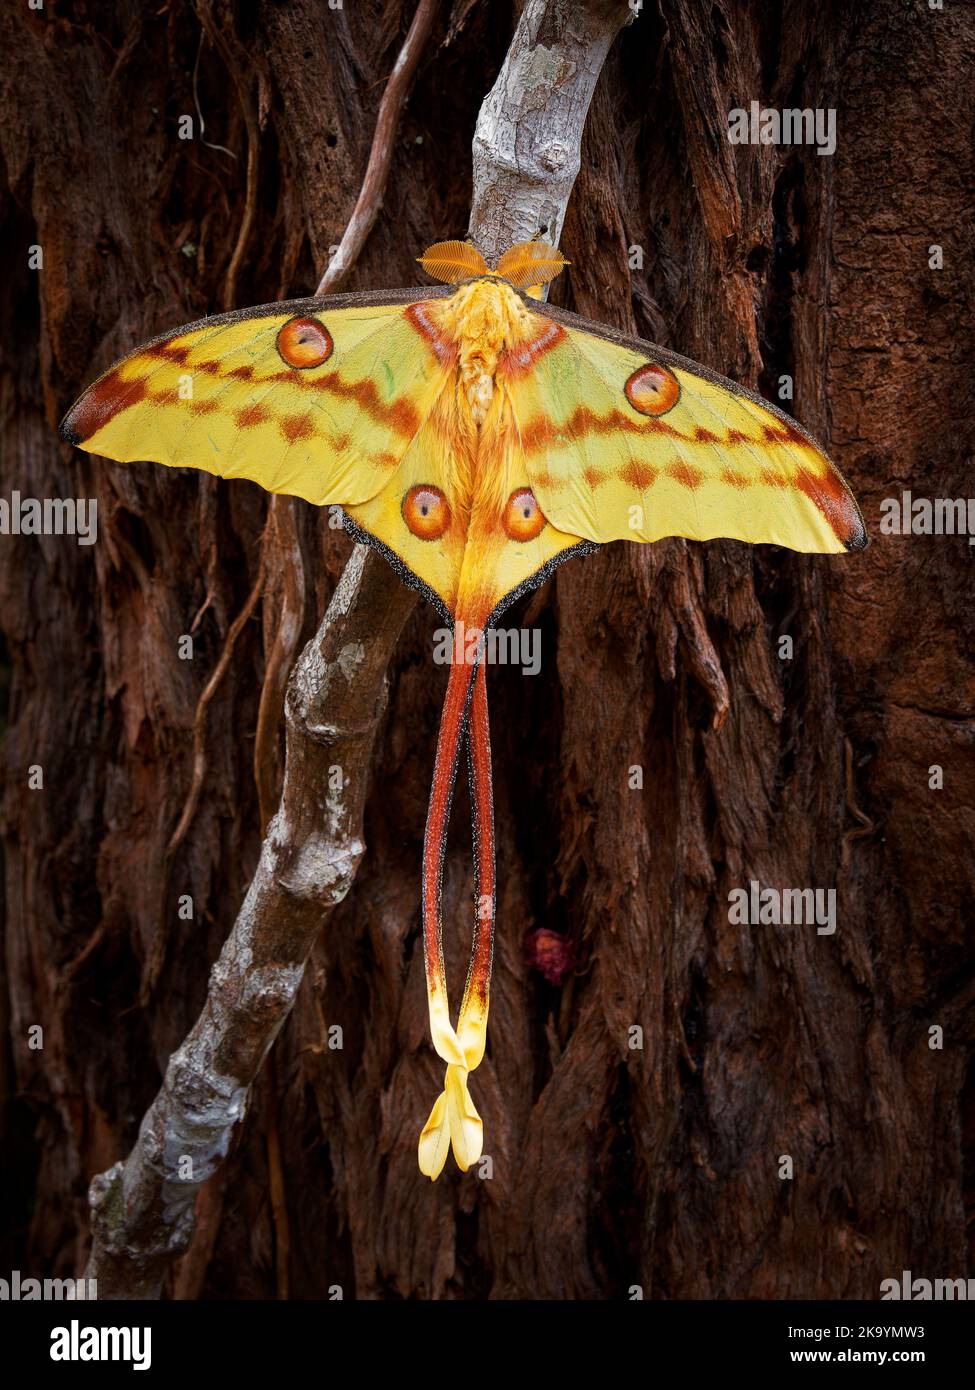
[[477, 437]]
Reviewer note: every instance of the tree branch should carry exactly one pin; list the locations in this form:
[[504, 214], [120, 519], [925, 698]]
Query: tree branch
[[528, 138]]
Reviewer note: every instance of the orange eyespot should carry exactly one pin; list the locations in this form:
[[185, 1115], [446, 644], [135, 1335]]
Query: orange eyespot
[[652, 390], [304, 343], [426, 512], [523, 519]]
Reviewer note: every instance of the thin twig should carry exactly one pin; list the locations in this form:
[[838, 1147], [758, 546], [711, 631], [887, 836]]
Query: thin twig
[[200, 718], [867, 826], [370, 198], [236, 61], [156, 956], [250, 211], [275, 1183], [281, 553], [196, 101], [280, 548]]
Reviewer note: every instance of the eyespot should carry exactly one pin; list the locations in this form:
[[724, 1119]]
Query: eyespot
[[426, 512], [523, 519], [652, 390], [304, 343]]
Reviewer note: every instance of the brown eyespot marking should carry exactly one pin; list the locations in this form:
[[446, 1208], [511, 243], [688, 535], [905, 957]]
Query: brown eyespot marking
[[304, 343], [426, 512], [522, 518], [652, 390]]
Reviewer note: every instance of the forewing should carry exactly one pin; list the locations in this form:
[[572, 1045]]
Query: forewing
[[623, 440], [319, 398]]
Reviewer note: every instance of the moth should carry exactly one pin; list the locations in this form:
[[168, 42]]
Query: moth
[[477, 437]]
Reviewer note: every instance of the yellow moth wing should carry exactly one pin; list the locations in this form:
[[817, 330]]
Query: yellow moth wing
[[505, 569], [435, 562], [316, 398], [695, 456], [473, 566]]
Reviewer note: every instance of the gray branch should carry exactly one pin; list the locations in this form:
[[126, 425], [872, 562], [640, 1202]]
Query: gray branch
[[528, 138]]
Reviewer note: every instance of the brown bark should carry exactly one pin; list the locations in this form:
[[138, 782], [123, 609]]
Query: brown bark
[[612, 1167]]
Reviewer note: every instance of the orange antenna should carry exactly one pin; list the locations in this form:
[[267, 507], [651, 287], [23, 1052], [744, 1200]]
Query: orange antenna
[[453, 261], [531, 263]]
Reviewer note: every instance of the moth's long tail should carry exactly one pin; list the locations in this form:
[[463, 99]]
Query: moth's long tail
[[454, 1121], [452, 724], [472, 1024]]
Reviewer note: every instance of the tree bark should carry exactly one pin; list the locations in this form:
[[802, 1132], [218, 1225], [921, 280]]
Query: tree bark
[[613, 1165]]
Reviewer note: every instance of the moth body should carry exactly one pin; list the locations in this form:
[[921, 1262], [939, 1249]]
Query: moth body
[[485, 320]]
